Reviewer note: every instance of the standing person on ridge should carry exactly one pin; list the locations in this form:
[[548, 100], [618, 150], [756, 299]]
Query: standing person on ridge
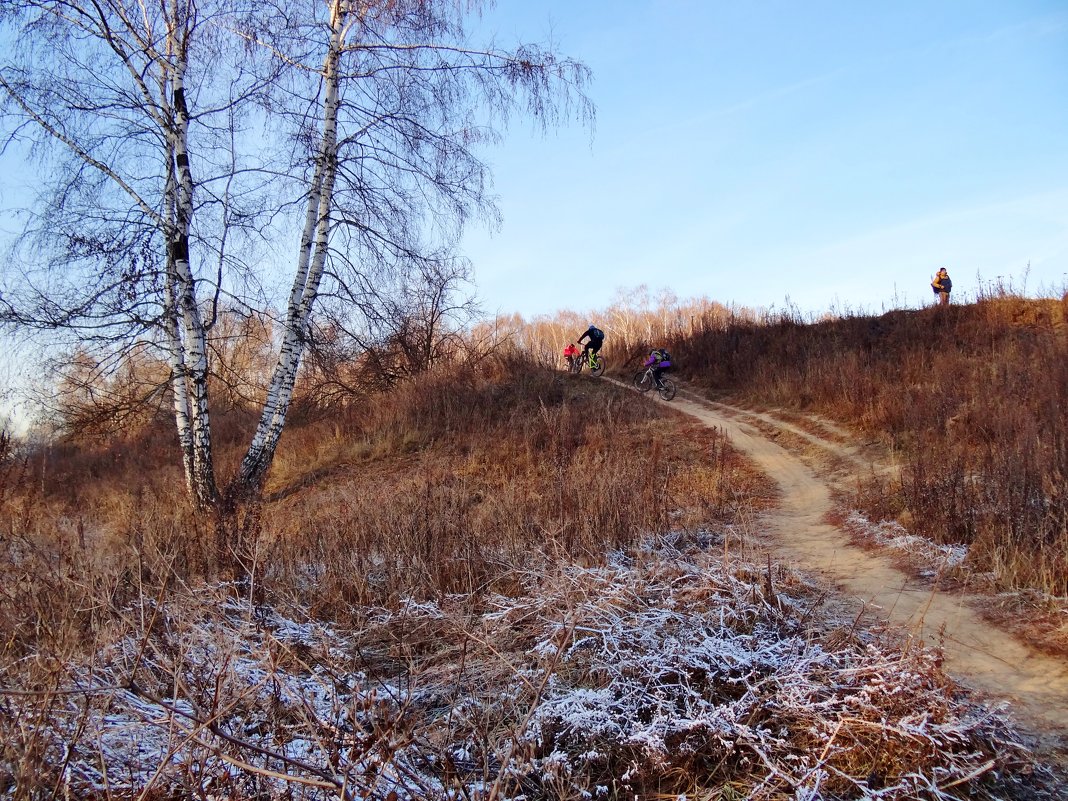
[[942, 286], [596, 337]]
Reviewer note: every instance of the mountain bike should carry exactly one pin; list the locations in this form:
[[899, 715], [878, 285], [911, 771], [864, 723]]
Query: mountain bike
[[595, 361], [644, 381]]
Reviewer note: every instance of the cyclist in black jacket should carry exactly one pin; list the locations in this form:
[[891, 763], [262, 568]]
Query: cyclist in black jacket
[[596, 337]]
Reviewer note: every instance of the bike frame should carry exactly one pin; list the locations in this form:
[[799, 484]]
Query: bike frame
[[595, 361], [589, 360], [645, 380]]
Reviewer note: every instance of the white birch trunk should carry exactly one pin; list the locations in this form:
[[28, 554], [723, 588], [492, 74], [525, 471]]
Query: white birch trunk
[[311, 261], [176, 355], [195, 352]]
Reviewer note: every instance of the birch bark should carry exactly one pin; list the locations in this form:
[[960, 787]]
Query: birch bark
[[192, 380], [176, 353], [311, 261]]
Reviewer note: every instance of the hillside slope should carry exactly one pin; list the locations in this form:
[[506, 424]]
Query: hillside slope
[[507, 583], [996, 662], [971, 398]]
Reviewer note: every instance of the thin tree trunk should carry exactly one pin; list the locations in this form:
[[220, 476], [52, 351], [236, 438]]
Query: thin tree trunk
[[311, 261], [179, 379], [176, 356], [195, 349]]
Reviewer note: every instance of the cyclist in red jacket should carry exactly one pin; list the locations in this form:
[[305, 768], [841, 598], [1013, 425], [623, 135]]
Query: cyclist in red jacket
[[570, 352]]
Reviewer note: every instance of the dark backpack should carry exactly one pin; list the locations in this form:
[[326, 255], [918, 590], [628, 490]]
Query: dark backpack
[[663, 355], [596, 333]]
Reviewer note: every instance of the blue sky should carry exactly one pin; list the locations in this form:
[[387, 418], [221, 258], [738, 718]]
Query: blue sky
[[829, 154]]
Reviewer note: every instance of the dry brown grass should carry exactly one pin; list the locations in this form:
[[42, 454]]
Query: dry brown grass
[[972, 396], [464, 481], [458, 483], [445, 485], [463, 489], [665, 670]]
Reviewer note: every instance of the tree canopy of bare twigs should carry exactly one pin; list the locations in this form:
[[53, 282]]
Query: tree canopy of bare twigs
[[185, 153]]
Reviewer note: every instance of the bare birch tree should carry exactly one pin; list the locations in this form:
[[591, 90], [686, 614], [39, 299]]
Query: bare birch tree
[[369, 115], [97, 92], [403, 102]]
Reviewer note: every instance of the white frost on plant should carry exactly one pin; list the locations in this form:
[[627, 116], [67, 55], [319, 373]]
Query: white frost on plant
[[596, 683], [891, 534]]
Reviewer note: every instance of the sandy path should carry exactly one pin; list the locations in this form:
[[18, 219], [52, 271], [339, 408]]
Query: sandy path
[[976, 653]]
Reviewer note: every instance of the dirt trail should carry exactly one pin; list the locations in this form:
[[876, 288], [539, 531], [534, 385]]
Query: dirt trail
[[976, 653]]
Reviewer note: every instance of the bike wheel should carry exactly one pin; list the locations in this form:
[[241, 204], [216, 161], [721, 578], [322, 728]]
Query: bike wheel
[[643, 380], [668, 390], [598, 366]]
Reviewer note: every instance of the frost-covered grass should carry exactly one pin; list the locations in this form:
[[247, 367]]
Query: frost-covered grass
[[929, 557], [670, 671]]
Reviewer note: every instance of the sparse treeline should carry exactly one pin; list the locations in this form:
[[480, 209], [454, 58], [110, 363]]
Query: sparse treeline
[[636, 319], [406, 331], [427, 322]]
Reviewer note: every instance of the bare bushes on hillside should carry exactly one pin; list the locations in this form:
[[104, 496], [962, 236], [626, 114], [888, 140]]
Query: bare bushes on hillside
[[972, 396], [459, 481], [635, 321], [481, 643], [462, 481], [446, 484], [398, 332]]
